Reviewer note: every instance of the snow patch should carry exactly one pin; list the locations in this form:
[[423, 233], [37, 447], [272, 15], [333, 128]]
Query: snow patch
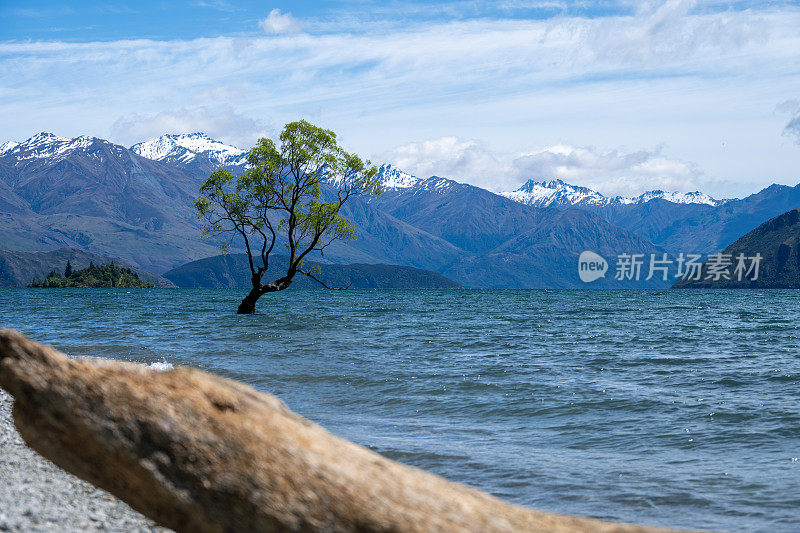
[[695, 197], [436, 183], [555, 192]]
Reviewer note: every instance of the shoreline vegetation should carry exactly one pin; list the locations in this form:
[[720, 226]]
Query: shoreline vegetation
[[220, 456], [92, 277]]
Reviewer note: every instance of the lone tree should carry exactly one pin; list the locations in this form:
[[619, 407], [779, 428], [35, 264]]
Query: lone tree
[[280, 198]]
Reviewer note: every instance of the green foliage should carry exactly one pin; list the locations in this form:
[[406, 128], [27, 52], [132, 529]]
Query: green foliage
[[280, 196], [93, 276]]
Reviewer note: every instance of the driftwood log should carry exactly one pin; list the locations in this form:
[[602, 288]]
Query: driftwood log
[[196, 452]]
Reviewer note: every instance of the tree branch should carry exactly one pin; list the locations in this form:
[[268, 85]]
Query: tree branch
[[312, 276]]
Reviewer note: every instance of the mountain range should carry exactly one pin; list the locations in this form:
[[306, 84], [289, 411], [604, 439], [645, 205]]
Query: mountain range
[[136, 204], [561, 194], [94, 195]]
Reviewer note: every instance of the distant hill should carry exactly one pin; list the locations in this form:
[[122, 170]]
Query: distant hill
[[18, 269], [778, 241], [232, 271]]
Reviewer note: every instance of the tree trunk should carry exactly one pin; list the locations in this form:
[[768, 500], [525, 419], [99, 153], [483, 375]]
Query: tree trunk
[[248, 305]]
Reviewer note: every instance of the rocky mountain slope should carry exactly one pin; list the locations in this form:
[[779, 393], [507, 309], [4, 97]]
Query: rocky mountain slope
[[91, 194], [504, 243], [777, 241]]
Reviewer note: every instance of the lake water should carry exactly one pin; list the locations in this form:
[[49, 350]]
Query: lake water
[[674, 408]]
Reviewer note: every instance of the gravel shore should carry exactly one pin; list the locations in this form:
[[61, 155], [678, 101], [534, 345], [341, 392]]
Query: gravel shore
[[36, 495]]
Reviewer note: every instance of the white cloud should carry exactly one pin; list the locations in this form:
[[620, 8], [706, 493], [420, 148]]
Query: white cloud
[[451, 157], [221, 123], [792, 128], [612, 172], [278, 23]]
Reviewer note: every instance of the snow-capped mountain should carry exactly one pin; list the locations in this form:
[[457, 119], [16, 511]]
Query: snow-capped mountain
[[557, 193], [49, 170], [8, 146], [392, 178], [695, 197], [48, 148], [191, 149], [86, 192], [89, 193]]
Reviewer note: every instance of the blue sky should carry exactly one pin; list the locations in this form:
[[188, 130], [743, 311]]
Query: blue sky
[[620, 96], [108, 21]]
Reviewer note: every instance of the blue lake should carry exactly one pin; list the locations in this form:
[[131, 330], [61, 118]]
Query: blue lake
[[674, 408]]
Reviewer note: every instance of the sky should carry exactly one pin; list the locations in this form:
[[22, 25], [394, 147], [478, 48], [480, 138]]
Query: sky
[[617, 95]]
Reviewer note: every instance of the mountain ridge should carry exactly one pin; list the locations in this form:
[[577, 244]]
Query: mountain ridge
[[192, 150], [559, 193], [89, 193]]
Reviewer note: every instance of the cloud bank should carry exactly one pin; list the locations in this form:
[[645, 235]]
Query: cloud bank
[[611, 172], [221, 123]]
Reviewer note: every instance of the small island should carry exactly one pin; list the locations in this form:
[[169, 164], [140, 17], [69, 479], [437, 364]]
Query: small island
[[93, 276]]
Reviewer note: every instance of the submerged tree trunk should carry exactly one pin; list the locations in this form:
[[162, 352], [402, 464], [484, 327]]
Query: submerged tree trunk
[[248, 305]]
